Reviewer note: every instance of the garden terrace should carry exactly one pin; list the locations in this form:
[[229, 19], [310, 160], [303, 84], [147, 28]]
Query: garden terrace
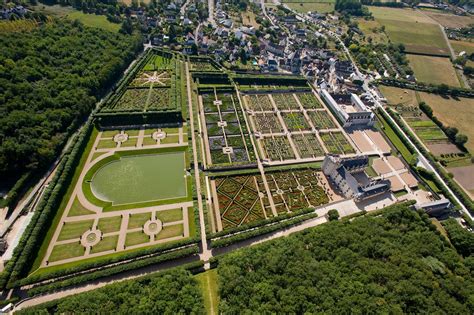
[[336, 143], [270, 83], [227, 140], [131, 190], [243, 199]]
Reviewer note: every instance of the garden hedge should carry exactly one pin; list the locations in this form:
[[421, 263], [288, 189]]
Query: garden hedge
[[56, 285]]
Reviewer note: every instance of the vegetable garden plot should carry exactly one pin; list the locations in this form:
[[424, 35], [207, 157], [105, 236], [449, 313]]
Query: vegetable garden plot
[[308, 145], [285, 101], [239, 200], [321, 119], [295, 121], [259, 103], [158, 62], [202, 66], [277, 148], [308, 100], [336, 143], [267, 123], [296, 190]]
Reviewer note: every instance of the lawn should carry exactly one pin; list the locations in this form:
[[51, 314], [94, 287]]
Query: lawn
[[170, 215], [303, 7], [92, 20], [111, 224], [78, 209], [209, 288], [396, 141], [170, 231], [456, 113], [107, 243], [71, 230], [138, 220], [65, 251], [135, 238], [415, 30], [435, 70]]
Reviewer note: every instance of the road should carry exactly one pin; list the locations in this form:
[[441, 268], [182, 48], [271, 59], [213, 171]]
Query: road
[[210, 6], [453, 57]]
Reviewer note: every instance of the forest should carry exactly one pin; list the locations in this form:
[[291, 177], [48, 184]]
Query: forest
[[171, 292], [393, 263], [50, 79]]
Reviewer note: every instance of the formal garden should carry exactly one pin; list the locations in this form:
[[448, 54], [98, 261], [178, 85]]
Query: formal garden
[[227, 137], [244, 199], [336, 142]]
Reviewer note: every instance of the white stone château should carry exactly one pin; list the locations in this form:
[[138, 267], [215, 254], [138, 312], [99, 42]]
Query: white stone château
[[349, 110]]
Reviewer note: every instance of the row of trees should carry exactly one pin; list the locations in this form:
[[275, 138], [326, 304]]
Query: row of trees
[[451, 132], [174, 292], [393, 263], [50, 79]]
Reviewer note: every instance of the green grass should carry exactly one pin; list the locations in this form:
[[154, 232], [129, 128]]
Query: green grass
[[135, 238], [138, 220], [109, 133], [97, 154], [170, 215], [71, 230], [66, 251], [396, 141], [148, 140], [170, 139], [106, 144], [170, 231], [107, 243], [92, 20], [209, 288], [303, 7], [435, 70], [78, 209], [112, 224]]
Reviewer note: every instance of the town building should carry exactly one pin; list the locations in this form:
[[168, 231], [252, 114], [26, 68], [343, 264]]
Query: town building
[[348, 175], [349, 109]]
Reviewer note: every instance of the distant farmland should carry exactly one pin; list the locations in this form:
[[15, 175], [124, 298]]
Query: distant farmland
[[419, 33]]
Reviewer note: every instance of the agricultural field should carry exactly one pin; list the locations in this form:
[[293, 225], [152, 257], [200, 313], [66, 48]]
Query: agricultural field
[[127, 193], [457, 113], [311, 6], [398, 96], [336, 143], [434, 70], [242, 199], [372, 29], [248, 19], [93, 20], [450, 20], [226, 136], [460, 46], [418, 32]]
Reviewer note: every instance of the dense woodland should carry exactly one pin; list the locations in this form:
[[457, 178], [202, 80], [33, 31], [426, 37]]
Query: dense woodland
[[394, 263], [175, 292], [50, 79]]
